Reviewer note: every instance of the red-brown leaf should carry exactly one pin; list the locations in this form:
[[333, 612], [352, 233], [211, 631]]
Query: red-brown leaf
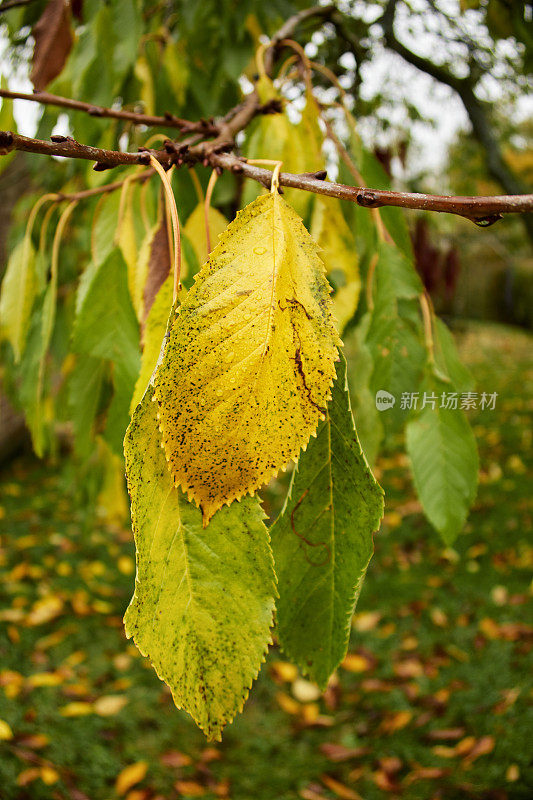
[[158, 265], [53, 42]]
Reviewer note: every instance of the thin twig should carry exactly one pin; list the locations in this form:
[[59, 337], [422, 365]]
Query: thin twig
[[206, 127], [104, 189]]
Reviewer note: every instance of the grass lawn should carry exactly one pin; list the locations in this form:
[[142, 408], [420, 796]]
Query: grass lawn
[[431, 702]]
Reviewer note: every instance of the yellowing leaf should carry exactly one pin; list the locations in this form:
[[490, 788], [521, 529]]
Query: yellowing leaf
[[177, 69], [297, 146], [332, 233], [204, 597], [18, 294], [136, 260], [112, 501], [143, 73], [248, 367], [130, 775], [195, 230], [154, 332]]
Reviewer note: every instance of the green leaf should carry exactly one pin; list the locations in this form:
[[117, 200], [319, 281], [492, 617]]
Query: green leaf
[[85, 386], [127, 25], [204, 597], [395, 335], [106, 327], [323, 541], [444, 460], [104, 227], [18, 295], [447, 361], [367, 418]]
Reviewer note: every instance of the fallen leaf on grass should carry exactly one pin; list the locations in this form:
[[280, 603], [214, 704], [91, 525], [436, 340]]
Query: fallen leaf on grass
[[366, 620], [130, 775], [425, 774], [337, 752], [286, 702], [175, 759], [283, 671], [34, 741], [5, 731], [339, 788], [44, 679], [443, 734], [110, 704], [190, 788], [396, 721], [76, 709], [312, 792], [481, 748], [355, 662], [305, 691], [44, 610], [28, 775]]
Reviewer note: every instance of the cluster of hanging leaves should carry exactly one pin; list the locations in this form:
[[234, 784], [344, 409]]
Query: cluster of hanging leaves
[[241, 376]]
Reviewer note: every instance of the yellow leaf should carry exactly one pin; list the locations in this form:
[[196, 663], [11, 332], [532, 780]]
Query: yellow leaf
[[154, 332], [5, 731], [130, 775], [195, 230], [332, 233], [45, 679], [249, 363]]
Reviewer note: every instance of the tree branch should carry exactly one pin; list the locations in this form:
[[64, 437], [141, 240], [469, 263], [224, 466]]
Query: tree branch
[[14, 4], [287, 30], [482, 210], [478, 111], [206, 127]]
